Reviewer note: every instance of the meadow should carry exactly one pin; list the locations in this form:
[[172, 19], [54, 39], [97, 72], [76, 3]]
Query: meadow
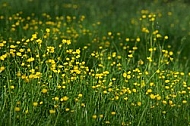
[[94, 63]]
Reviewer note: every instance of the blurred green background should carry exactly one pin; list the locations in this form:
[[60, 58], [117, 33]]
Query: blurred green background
[[115, 15]]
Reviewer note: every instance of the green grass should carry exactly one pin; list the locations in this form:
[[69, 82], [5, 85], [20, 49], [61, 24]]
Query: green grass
[[94, 63]]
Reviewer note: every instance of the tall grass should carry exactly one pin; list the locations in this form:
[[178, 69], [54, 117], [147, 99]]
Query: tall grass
[[94, 63]]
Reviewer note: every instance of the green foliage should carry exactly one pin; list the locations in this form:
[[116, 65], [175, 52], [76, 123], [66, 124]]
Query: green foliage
[[94, 62]]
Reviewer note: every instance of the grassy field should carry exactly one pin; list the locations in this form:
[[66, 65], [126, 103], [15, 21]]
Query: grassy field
[[94, 63]]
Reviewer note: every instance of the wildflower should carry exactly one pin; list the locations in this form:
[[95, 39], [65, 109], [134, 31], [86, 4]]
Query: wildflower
[[12, 87], [94, 116], [101, 115], [152, 84], [169, 13], [3, 57], [143, 16], [51, 111], [145, 30], [152, 96], [26, 111], [164, 112], [34, 36], [12, 46], [35, 104], [139, 103], [128, 76], [167, 87], [126, 98], [65, 98], [165, 37], [47, 30], [68, 42], [31, 59], [17, 109], [77, 51], [124, 74], [149, 58], [107, 122], [67, 109], [184, 101], [140, 62], [2, 68], [109, 33], [113, 113], [105, 92], [39, 41], [138, 39], [19, 54], [127, 39], [44, 90], [116, 97], [170, 102], [56, 98], [50, 49], [130, 55], [134, 90], [158, 97], [82, 104], [79, 95]]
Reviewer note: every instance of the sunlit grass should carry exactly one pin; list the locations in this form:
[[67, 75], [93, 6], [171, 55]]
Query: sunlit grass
[[70, 70]]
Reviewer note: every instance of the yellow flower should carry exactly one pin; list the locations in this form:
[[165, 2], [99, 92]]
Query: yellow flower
[[116, 97], [134, 90], [31, 59], [50, 49], [67, 109], [2, 68], [164, 112], [184, 101], [167, 87], [65, 98], [138, 39], [101, 116], [77, 51], [35, 104], [3, 57], [113, 113], [44, 90], [152, 96], [12, 87], [165, 37], [79, 95], [139, 103], [26, 112], [170, 102], [128, 76], [34, 36], [12, 46], [124, 74], [94, 116], [19, 54], [126, 98], [51, 111], [107, 122], [158, 97], [56, 98], [47, 30], [130, 55], [82, 104], [109, 33], [17, 109]]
